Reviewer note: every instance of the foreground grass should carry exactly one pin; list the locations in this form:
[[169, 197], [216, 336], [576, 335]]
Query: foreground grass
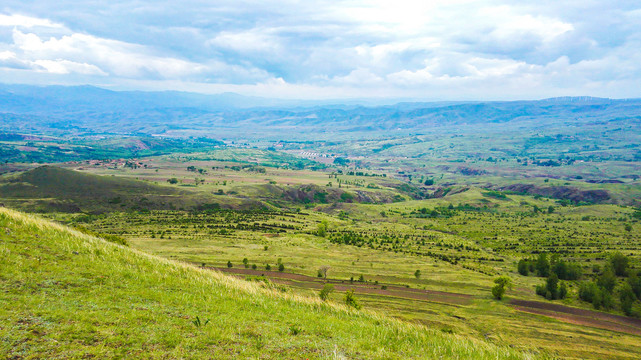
[[69, 295]]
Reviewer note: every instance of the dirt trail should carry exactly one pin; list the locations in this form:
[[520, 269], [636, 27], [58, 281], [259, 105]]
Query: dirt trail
[[580, 316], [363, 288]]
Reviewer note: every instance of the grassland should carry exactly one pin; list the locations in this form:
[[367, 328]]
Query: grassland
[[379, 226], [70, 295]]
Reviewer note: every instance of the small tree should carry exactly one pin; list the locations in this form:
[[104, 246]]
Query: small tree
[[607, 280], [619, 264], [350, 300], [323, 270], [322, 229], [326, 291], [229, 264], [281, 267], [627, 297], [552, 284], [172, 181], [523, 267], [543, 265], [499, 289], [417, 274], [635, 284]]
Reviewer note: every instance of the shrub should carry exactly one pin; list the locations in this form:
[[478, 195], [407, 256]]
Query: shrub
[[563, 291], [229, 264], [281, 267], [607, 280], [543, 265], [627, 297], [350, 300], [551, 285], [635, 284], [619, 264], [587, 291], [499, 289], [326, 291], [523, 267]]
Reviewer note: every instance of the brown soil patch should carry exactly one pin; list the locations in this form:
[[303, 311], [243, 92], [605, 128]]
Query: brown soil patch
[[577, 316], [362, 288]]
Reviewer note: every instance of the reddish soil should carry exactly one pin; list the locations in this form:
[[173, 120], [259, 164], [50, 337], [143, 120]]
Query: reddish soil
[[577, 316], [362, 288]]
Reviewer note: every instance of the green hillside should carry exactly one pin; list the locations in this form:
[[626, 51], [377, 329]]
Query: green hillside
[[69, 295], [50, 188]]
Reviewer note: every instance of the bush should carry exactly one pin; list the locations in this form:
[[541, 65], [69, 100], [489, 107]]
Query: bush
[[502, 283], [627, 297], [607, 280], [350, 300], [281, 267], [552, 284], [619, 264], [523, 267], [543, 265], [587, 291], [229, 264], [563, 291], [326, 291], [635, 284]]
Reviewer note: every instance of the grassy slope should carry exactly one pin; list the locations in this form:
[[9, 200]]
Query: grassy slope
[[68, 295]]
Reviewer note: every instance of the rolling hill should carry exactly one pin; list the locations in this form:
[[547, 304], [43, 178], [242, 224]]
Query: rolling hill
[[69, 295]]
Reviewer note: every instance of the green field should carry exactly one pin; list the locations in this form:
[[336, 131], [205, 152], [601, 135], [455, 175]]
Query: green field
[[245, 212]]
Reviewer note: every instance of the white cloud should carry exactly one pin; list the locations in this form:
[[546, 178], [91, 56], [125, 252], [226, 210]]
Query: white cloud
[[68, 67], [22, 21], [488, 48]]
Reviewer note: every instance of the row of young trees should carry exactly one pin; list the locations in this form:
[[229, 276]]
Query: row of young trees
[[615, 280], [543, 267]]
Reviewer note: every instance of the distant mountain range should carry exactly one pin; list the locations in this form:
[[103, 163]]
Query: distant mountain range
[[84, 110]]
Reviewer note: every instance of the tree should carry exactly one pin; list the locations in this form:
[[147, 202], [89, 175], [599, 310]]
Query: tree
[[619, 263], [627, 297], [326, 291], [172, 181], [574, 272], [542, 265], [417, 274], [281, 267], [323, 270], [551, 286], [587, 291], [563, 291], [523, 267], [350, 300], [322, 229], [635, 284], [499, 289], [229, 264], [607, 280]]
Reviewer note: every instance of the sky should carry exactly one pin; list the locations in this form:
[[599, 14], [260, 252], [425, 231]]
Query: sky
[[427, 50]]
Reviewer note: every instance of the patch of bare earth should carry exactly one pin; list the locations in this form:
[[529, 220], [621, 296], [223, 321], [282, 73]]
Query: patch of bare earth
[[362, 288], [578, 316]]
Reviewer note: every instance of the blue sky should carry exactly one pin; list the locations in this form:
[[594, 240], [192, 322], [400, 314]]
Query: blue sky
[[429, 50]]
